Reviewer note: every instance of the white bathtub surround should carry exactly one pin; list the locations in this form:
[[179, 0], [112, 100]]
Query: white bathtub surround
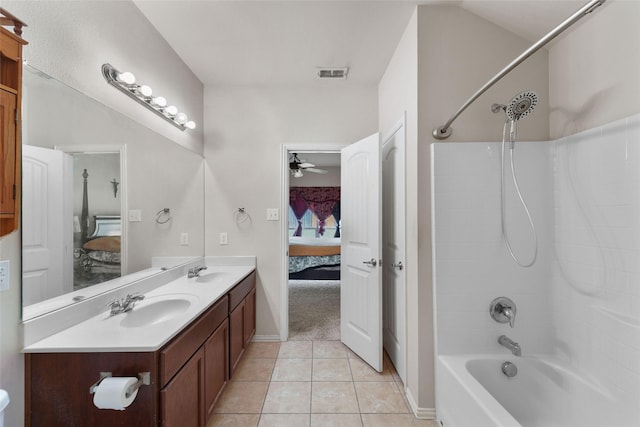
[[53, 330], [578, 319]]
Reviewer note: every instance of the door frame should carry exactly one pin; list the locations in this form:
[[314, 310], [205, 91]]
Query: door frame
[[284, 210], [124, 226]]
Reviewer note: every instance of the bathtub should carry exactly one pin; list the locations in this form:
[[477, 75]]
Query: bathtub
[[472, 391]]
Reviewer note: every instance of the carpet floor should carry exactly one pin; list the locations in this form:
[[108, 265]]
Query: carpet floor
[[314, 310]]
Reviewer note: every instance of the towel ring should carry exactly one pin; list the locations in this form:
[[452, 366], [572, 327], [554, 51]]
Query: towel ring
[[163, 216], [240, 215]]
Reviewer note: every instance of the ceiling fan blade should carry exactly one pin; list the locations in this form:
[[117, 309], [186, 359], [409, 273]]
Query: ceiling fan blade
[[314, 170], [306, 165]]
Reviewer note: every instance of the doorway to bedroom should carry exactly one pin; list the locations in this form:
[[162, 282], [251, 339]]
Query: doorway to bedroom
[[313, 244]]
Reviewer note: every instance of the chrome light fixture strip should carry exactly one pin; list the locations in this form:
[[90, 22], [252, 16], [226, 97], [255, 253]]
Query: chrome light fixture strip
[[444, 131], [110, 75]]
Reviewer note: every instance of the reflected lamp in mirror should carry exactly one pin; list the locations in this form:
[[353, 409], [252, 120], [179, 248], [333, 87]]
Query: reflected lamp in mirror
[[143, 94]]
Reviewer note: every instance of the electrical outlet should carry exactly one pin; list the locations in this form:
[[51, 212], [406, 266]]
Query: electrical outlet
[[184, 239], [135, 215], [273, 214], [223, 239], [4, 275]]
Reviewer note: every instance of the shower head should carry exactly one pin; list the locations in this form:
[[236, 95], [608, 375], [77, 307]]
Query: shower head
[[521, 105]]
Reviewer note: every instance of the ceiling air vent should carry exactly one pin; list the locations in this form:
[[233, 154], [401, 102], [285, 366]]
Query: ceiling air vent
[[333, 73]]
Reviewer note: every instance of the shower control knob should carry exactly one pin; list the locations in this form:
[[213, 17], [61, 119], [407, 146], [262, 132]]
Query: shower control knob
[[503, 310]]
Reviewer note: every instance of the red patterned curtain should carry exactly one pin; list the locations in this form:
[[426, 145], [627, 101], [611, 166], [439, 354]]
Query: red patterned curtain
[[320, 200], [299, 207]]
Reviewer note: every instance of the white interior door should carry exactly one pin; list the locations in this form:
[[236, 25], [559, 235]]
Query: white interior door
[[393, 244], [46, 249], [360, 272]]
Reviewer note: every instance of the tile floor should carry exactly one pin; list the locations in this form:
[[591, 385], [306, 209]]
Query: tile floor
[[311, 384]]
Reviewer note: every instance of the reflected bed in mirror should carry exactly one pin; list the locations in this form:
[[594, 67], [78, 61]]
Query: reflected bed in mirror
[[85, 235]]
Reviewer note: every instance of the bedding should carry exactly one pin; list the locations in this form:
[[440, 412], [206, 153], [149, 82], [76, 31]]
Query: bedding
[[307, 253]]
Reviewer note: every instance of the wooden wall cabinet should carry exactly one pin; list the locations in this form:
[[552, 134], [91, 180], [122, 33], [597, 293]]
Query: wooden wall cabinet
[[188, 374], [10, 149]]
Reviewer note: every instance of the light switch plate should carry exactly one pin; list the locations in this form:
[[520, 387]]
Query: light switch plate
[[4, 275], [135, 215], [223, 239], [273, 214], [184, 239]]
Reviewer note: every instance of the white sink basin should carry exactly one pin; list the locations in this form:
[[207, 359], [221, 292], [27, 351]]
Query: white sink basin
[[212, 276], [157, 309]]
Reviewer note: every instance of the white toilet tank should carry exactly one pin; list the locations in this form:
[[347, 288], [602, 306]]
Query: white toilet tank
[[4, 401]]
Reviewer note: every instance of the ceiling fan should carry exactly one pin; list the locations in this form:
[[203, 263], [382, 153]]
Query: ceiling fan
[[296, 166]]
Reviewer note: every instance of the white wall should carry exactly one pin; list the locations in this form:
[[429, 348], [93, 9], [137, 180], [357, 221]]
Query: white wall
[[594, 69], [595, 287], [472, 264], [70, 41], [245, 130], [310, 179]]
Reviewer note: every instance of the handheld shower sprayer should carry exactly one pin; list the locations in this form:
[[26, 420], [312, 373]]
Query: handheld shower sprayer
[[520, 106]]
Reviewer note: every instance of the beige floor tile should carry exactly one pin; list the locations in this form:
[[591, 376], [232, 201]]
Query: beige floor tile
[[336, 420], [284, 420], [242, 397], [333, 398], [361, 371], [292, 370], [288, 398], [254, 370], [380, 397], [331, 370], [329, 350], [262, 350], [296, 350], [233, 420], [395, 420]]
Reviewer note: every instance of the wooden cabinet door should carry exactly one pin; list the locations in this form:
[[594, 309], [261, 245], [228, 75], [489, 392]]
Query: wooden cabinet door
[[236, 336], [216, 365], [182, 400], [249, 317], [8, 103]]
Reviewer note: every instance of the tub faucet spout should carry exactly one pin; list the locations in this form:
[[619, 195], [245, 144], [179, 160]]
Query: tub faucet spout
[[510, 344]]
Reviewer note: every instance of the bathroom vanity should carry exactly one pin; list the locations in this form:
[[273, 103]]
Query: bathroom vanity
[[188, 369]]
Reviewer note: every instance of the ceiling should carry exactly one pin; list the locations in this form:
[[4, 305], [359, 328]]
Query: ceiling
[[263, 42]]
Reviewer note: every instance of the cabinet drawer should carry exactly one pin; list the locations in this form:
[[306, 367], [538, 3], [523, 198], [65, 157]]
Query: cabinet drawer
[[241, 290], [180, 349]]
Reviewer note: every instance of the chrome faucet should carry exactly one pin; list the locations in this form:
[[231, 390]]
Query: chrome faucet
[[125, 304], [195, 271], [510, 344]]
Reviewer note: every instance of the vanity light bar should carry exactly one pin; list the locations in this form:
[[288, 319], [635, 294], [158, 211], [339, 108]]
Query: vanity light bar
[[126, 83]]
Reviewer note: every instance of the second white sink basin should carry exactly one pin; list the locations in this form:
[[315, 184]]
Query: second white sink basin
[[157, 309]]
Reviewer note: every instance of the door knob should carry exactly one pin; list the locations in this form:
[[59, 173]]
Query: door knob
[[371, 263], [399, 265]]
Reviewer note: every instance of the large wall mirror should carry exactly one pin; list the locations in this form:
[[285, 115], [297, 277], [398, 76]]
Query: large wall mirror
[[106, 201]]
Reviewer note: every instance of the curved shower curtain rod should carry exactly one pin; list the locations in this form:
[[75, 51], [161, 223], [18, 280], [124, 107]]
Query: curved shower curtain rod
[[444, 131]]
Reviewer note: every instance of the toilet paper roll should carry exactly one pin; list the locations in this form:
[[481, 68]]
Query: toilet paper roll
[[111, 393]]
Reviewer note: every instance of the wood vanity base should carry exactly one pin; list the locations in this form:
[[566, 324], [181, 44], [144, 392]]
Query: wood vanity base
[[188, 374]]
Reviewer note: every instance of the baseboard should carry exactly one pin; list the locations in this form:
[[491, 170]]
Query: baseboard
[[265, 338], [421, 413]]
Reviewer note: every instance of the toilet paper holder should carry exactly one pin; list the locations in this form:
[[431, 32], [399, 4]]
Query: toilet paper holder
[[144, 378]]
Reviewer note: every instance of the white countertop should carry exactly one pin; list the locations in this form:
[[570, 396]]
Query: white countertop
[[105, 333]]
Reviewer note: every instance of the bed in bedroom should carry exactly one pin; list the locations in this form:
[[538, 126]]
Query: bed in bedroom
[[97, 256], [314, 259]]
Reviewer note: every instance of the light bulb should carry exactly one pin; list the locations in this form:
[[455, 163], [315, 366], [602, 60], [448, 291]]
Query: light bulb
[[181, 118], [159, 101], [190, 124], [126, 77], [171, 110], [145, 91]]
